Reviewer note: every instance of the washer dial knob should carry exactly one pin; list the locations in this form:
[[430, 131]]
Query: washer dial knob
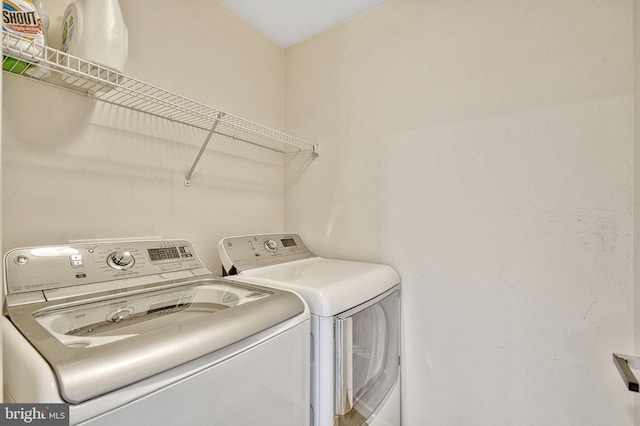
[[121, 260], [271, 245]]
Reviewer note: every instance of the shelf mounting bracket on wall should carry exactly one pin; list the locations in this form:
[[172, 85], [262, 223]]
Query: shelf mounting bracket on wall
[[623, 363], [187, 178]]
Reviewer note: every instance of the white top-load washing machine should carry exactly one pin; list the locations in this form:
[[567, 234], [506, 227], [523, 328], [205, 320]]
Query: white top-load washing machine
[[138, 332], [355, 324]]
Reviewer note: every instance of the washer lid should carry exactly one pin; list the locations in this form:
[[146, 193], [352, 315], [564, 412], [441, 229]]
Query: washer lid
[[329, 286], [101, 344]]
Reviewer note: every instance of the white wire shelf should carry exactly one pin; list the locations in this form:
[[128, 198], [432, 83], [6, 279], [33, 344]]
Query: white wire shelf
[[50, 66]]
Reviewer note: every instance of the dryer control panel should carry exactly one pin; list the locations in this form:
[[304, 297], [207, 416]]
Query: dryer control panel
[[256, 251], [74, 268]]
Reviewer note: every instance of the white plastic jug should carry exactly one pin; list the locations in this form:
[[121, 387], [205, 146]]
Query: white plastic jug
[[94, 30]]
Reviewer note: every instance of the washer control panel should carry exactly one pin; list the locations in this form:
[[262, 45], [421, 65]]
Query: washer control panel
[[53, 267], [255, 251]]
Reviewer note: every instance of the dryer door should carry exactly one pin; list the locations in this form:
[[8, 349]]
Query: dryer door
[[367, 357]]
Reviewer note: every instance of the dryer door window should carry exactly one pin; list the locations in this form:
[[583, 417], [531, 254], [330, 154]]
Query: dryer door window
[[367, 358]]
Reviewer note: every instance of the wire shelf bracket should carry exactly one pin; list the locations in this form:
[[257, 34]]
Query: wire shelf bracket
[[187, 178]]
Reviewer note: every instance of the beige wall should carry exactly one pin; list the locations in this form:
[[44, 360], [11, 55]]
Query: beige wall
[[1, 250], [636, 160], [74, 169], [485, 150]]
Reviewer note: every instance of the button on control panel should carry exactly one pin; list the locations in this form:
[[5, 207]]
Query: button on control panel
[[76, 260]]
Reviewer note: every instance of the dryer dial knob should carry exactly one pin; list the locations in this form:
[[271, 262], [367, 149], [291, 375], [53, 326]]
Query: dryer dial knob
[[122, 260], [271, 245]]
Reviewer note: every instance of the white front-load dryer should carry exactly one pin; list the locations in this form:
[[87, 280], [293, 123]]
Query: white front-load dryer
[[138, 332], [355, 324]]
